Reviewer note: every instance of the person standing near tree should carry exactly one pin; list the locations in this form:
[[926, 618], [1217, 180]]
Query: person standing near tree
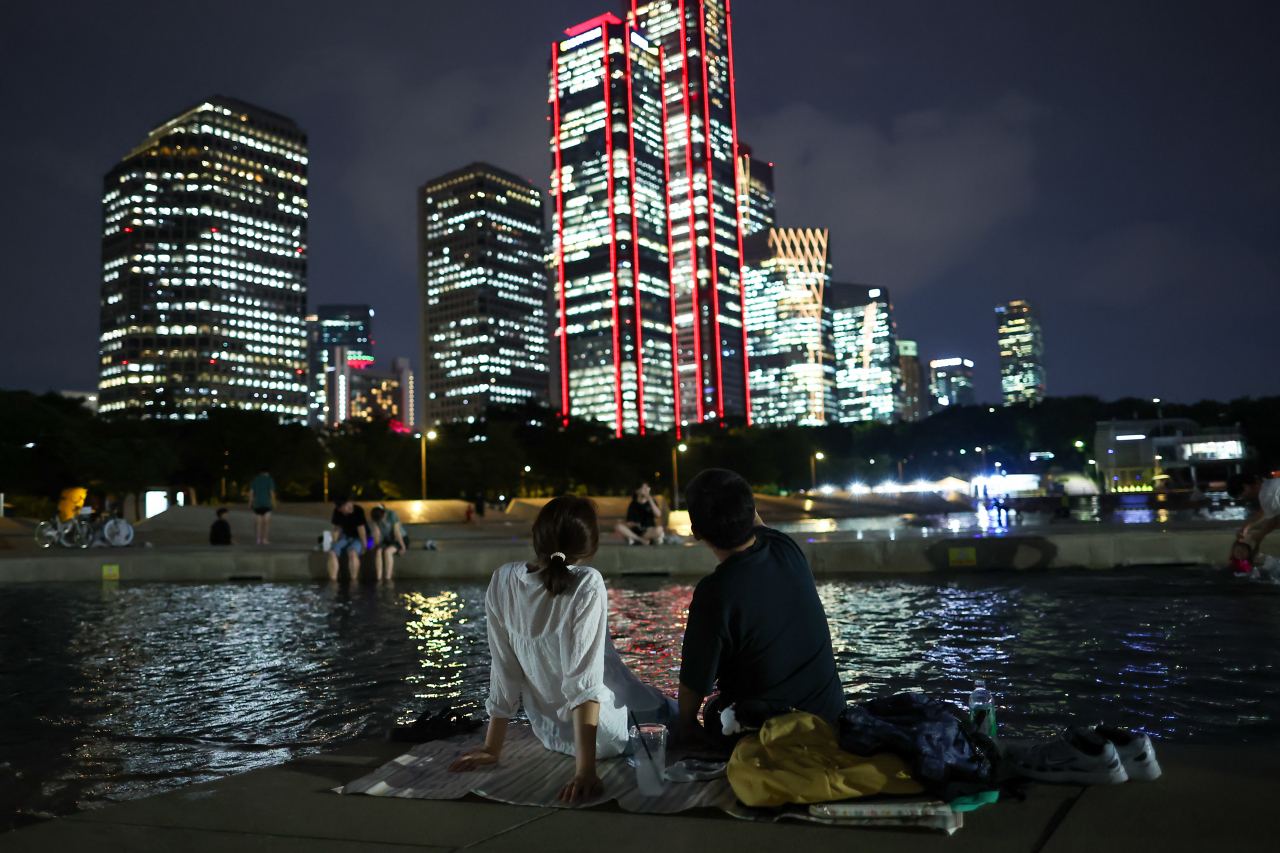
[[262, 499]]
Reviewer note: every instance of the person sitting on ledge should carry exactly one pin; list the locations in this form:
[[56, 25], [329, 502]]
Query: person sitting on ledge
[[220, 530], [549, 640], [641, 526], [349, 535], [1266, 492], [757, 629]]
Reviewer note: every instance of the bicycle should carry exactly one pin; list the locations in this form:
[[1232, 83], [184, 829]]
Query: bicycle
[[80, 532]]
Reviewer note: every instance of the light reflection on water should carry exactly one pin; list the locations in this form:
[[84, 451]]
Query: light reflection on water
[[122, 691]]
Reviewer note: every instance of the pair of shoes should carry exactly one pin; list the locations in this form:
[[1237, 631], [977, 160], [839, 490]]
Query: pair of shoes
[[1067, 758], [1099, 755], [1137, 755]]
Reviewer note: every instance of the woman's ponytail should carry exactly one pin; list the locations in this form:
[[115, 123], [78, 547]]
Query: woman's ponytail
[[564, 532]]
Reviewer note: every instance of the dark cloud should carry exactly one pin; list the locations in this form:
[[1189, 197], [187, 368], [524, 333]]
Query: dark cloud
[[1114, 162]]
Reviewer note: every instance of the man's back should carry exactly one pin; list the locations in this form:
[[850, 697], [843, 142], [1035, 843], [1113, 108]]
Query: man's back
[[757, 626], [260, 490]]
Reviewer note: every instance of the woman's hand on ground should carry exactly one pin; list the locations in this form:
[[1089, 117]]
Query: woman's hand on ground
[[581, 788], [473, 760]]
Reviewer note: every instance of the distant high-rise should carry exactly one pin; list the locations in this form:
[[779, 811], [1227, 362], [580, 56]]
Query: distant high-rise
[[789, 329], [868, 369], [757, 209], [702, 199], [613, 341], [914, 383], [483, 294], [347, 326], [951, 382], [1021, 352], [204, 267]]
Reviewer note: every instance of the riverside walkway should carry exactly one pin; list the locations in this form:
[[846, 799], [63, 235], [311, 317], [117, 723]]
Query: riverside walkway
[[1210, 798]]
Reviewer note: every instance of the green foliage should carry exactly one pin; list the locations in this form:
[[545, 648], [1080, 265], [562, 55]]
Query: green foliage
[[70, 447]]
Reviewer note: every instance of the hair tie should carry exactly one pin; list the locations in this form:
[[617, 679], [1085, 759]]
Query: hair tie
[[561, 555]]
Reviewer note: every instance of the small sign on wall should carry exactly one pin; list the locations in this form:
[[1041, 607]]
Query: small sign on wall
[[111, 573], [962, 556]]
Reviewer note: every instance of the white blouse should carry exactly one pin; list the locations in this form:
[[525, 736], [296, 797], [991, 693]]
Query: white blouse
[[554, 653]]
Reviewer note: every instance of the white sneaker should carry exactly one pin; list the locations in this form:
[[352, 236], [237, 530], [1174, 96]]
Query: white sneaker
[[1070, 759], [1135, 750]]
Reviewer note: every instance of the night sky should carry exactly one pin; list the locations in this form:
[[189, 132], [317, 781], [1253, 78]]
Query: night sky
[[1116, 162]]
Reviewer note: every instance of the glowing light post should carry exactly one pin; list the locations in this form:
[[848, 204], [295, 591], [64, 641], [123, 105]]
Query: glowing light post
[[675, 475], [813, 468], [326, 480], [423, 438]]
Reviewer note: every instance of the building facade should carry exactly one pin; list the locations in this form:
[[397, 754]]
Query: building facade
[[757, 208], [204, 267], [951, 382], [868, 367], [914, 382], [482, 284], [1166, 454], [789, 330], [1021, 352], [702, 201], [614, 339], [348, 326]]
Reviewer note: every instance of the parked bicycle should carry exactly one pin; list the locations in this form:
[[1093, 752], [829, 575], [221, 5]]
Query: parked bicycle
[[75, 527]]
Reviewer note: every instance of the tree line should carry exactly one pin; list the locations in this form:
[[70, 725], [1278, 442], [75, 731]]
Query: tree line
[[48, 443]]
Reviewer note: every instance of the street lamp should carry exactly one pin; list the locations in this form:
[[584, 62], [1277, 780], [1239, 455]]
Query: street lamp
[[423, 438], [675, 475], [813, 468], [326, 480]]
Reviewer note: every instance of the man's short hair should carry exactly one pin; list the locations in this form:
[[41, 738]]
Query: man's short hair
[[340, 500], [222, 510], [722, 509], [1237, 483]]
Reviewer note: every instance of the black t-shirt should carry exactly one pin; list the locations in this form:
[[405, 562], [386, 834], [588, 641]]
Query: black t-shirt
[[757, 628], [640, 514], [350, 522], [220, 532]]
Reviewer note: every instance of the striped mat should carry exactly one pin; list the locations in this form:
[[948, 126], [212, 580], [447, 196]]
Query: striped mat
[[528, 775]]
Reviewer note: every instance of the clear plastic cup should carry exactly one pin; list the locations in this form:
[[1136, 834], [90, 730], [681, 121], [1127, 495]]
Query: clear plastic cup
[[649, 752]]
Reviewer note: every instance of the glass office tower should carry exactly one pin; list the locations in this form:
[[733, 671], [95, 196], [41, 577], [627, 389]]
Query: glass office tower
[[757, 209], [348, 326], [952, 382], [482, 284], [789, 327], [868, 368], [610, 249], [1021, 352], [204, 267], [914, 382], [702, 200]]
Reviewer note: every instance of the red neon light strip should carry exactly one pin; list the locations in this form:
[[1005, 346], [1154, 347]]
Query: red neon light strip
[[597, 21], [711, 211], [693, 233], [737, 215], [635, 235], [564, 334], [613, 232], [671, 258]]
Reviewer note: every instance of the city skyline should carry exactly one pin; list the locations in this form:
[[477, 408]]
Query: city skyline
[[1126, 220]]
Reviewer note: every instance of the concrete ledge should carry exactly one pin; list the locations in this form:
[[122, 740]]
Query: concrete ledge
[[831, 557]]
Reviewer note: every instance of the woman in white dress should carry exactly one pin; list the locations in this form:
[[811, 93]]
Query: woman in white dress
[[549, 639]]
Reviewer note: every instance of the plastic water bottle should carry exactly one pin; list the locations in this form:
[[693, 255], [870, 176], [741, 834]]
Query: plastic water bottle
[[982, 709]]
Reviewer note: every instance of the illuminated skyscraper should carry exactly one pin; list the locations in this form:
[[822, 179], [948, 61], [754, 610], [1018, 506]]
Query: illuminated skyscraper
[[204, 267], [348, 326], [1021, 352], [914, 382], [951, 382], [868, 369], [757, 210], [702, 202], [789, 330], [483, 293], [609, 246]]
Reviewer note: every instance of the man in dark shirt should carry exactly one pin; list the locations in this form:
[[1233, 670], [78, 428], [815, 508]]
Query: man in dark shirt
[[220, 530], [349, 534], [641, 526], [756, 628]]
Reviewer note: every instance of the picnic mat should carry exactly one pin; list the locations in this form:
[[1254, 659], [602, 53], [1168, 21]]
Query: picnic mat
[[532, 775]]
